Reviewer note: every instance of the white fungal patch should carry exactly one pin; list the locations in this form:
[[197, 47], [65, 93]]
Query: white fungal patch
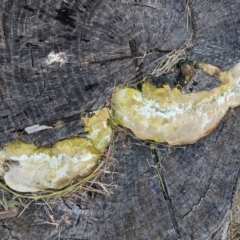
[[222, 99], [57, 59]]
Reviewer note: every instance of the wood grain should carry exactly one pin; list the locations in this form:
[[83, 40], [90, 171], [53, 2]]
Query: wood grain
[[102, 41]]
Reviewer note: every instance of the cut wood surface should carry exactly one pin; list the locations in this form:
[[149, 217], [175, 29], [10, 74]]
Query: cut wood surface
[[61, 59]]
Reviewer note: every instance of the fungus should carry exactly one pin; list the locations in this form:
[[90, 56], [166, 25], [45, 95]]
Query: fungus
[[168, 116], [56, 59], [158, 114], [33, 169]]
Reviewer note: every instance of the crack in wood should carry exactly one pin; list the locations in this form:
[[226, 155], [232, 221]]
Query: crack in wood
[[66, 99], [235, 187], [140, 5], [65, 203], [25, 113], [220, 132], [31, 58], [2, 21], [133, 48], [205, 192], [135, 55], [191, 15], [234, 193], [110, 60], [163, 185], [159, 173]]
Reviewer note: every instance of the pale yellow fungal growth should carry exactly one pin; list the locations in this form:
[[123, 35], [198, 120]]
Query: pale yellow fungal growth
[[208, 68], [158, 114], [168, 116], [98, 129], [33, 169]]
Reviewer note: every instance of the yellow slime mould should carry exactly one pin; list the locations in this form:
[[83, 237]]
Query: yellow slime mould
[[168, 116], [32, 169]]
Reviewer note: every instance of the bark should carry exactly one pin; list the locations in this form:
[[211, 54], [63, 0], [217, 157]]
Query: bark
[[163, 193]]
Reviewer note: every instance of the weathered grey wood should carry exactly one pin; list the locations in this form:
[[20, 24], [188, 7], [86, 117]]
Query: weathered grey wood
[[201, 179], [201, 81], [52, 135], [136, 210], [105, 43], [95, 38], [215, 25]]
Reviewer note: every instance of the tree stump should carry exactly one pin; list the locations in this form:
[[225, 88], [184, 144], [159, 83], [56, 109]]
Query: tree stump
[[163, 193]]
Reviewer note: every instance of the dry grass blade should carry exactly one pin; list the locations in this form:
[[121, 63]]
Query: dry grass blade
[[167, 62], [234, 231], [164, 63], [56, 193], [188, 10]]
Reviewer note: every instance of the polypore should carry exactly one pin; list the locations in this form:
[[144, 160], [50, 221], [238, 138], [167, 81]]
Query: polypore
[[168, 116], [32, 169], [158, 114]]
